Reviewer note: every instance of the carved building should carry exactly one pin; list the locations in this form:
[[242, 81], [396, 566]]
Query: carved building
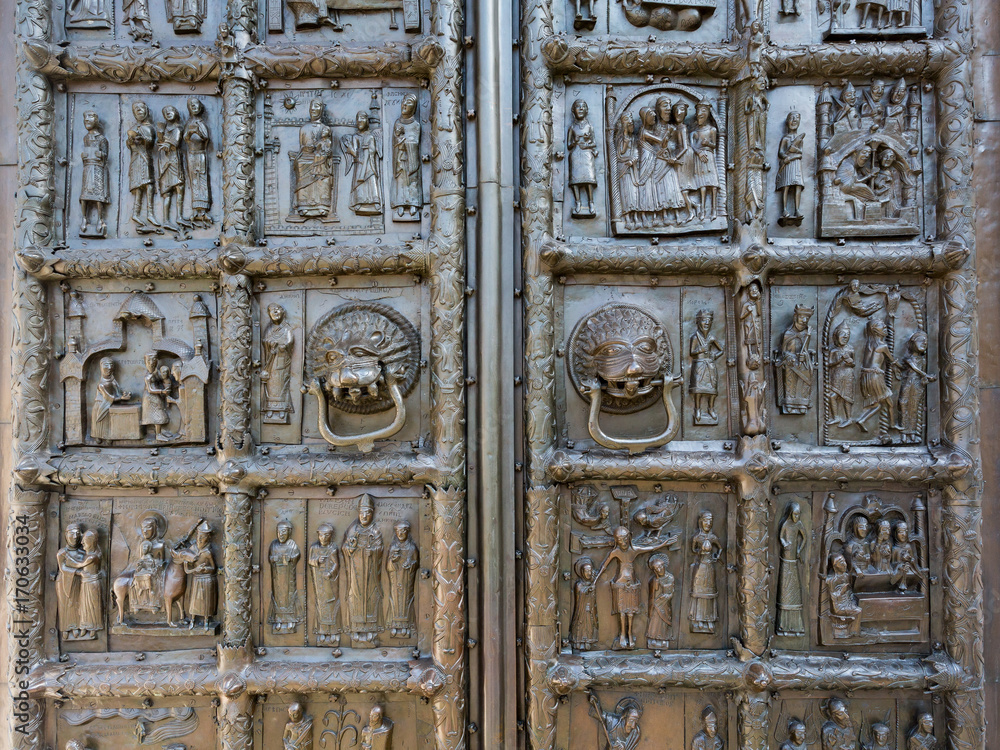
[[300, 463]]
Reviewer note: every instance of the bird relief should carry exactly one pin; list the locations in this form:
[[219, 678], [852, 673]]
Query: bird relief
[[163, 402], [869, 165], [667, 161]]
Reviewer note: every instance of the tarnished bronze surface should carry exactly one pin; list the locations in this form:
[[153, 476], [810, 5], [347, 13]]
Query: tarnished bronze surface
[[746, 507]]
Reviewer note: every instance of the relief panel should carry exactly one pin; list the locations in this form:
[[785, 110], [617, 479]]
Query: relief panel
[[346, 161], [344, 571], [835, 722], [674, 721], [138, 366], [141, 21], [172, 722], [330, 22], [141, 166], [851, 363], [643, 568], [672, 383], [644, 160], [343, 368], [379, 722]]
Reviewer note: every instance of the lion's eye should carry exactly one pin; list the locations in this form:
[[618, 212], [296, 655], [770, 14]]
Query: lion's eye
[[360, 351], [646, 346], [613, 349]]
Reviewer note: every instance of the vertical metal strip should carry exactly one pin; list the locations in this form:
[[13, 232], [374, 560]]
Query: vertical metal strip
[[24, 568], [237, 549], [959, 343], [235, 368]]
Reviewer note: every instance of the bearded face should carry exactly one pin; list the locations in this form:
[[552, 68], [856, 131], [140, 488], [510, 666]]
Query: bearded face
[[628, 365]]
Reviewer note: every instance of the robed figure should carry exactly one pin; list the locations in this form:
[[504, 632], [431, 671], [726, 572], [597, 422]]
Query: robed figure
[[278, 343], [363, 164], [196, 141], [363, 549], [298, 734], [792, 540], [407, 181], [619, 728], [313, 176], [401, 565], [284, 554], [795, 364], [324, 565]]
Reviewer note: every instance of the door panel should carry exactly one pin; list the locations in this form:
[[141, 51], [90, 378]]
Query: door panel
[[725, 481], [241, 377]]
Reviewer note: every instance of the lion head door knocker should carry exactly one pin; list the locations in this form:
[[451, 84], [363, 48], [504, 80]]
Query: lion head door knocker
[[362, 358], [619, 357]]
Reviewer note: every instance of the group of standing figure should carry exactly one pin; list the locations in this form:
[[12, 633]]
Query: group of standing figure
[[620, 729], [667, 170], [626, 596], [878, 368], [298, 731], [840, 733], [171, 158], [364, 557]]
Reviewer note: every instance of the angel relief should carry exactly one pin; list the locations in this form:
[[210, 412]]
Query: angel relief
[[869, 164], [875, 362], [874, 571], [362, 358], [667, 161]]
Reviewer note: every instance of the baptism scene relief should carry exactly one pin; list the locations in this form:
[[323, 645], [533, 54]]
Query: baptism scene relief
[[342, 571], [142, 167], [342, 369], [347, 161], [174, 723], [375, 722], [137, 367], [644, 569]]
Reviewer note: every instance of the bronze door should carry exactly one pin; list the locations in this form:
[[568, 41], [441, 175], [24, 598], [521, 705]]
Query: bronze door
[[751, 478], [326, 436]]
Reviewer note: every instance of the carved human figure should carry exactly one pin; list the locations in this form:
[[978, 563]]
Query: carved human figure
[[407, 177], [278, 344], [751, 326], [895, 109], [170, 169], [581, 144], [790, 181], [794, 363], [313, 168], [68, 559], [838, 731], [875, 391], [135, 13], [707, 737], [680, 142], [324, 566], [659, 192], [283, 554], [298, 734], [871, 109], [620, 728], [880, 735], [88, 14], [755, 110], [628, 171], [921, 736], [583, 625], [846, 119], [905, 570], [589, 511], [796, 736], [661, 599], [108, 393], [363, 549], [186, 16], [583, 17], [401, 563], [858, 547], [882, 547], [377, 733], [197, 140], [706, 548], [145, 591], [140, 139], [363, 154], [705, 349], [844, 605], [625, 596], [887, 182], [674, 162], [873, 10], [704, 142], [840, 377], [913, 388], [792, 541], [95, 188], [154, 400], [199, 565], [854, 178]]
